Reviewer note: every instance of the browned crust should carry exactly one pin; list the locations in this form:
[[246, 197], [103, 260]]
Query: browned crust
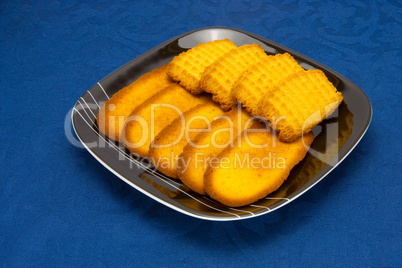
[[273, 179], [194, 179], [174, 95], [159, 156], [115, 111]]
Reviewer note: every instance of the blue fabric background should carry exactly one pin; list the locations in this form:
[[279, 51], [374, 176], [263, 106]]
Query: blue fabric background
[[60, 207]]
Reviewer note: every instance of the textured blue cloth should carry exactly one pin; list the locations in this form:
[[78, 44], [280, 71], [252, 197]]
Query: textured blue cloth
[[60, 207]]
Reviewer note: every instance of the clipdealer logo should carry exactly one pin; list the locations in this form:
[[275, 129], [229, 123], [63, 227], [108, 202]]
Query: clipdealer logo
[[149, 132]]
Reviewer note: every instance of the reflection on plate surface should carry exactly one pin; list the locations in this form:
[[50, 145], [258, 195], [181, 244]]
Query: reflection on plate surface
[[335, 136]]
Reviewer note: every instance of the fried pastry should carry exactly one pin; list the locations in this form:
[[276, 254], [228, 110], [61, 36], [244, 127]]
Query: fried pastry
[[219, 77], [148, 119], [196, 155], [261, 78], [188, 67], [299, 103], [169, 143], [115, 111], [254, 168]]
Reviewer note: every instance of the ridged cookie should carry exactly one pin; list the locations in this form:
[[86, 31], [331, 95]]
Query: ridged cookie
[[219, 77], [299, 103], [169, 143], [254, 168], [148, 119], [261, 78], [115, 111], [188, 67]]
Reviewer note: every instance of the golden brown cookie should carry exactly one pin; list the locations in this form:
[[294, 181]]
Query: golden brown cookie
[[188, 67], [194, 160], [219, 77], [169, 143], [299, 103], [148, 119], [115, 111], [261, 78], [254, 168]]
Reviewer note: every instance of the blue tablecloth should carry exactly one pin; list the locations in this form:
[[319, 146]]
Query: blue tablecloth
[[60, 207]]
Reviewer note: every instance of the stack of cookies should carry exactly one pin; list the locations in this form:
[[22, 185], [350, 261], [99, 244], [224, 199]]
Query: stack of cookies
[[229, 122]]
